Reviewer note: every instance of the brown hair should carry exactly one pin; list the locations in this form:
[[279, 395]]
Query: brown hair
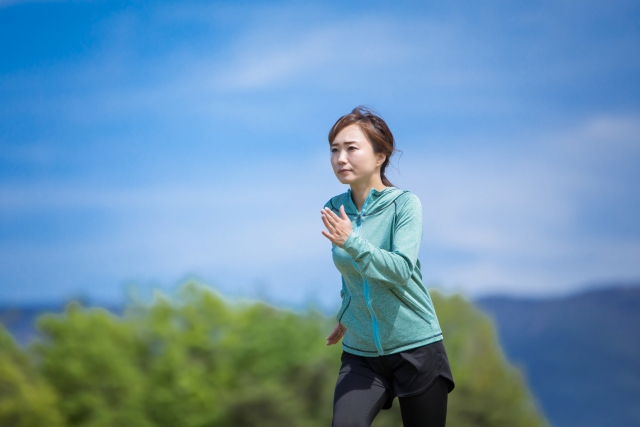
[[374, 128]]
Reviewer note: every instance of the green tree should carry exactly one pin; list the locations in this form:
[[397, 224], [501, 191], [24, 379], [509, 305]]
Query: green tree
[[92, 359], [26, 400], [197, 360], [213, 363], [489, 391]]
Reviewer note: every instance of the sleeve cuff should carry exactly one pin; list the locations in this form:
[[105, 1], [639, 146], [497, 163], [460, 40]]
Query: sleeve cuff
[[352, 245]]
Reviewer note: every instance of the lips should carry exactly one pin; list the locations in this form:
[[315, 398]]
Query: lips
[[344, 170]]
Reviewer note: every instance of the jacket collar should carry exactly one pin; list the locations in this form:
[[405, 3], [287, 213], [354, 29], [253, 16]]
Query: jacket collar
[[376, 200]]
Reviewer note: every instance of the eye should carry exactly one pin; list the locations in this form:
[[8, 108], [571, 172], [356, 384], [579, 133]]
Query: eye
[[333, 150], [353, 146]]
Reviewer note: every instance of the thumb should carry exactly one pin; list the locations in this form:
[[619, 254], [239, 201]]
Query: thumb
[[343, 214]]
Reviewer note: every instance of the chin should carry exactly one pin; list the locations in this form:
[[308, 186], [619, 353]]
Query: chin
[[345, 180]]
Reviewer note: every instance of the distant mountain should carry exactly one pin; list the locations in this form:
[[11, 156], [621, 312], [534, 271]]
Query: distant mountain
[[580, 354], [20, 321]]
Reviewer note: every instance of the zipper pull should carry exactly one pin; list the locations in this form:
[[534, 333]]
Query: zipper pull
[[358, 220]]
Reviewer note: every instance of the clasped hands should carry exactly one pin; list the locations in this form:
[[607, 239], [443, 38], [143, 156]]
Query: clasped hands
[[339, 226]]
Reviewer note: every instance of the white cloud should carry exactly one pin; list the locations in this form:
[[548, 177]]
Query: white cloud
[[267, 58], [277, 58]]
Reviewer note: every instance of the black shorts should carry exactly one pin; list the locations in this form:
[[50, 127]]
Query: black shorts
[[403, 374]]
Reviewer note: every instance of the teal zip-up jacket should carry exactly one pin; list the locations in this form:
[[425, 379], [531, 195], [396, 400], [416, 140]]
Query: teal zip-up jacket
[[385, 306]]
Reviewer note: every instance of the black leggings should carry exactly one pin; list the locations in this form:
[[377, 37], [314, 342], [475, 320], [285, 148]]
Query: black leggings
[[358, 400]]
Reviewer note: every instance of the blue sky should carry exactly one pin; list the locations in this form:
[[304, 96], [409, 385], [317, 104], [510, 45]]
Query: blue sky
[[148, 142]]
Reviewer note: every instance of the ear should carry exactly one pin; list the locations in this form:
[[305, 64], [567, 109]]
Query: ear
[[381, 158]]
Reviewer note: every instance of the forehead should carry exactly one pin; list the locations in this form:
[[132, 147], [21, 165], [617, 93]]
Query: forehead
[[350, 134]]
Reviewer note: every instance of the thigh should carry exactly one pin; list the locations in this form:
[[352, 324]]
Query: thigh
[[428, 409], [357, 400]]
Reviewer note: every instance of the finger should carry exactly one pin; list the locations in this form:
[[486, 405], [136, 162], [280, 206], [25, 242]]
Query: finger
[[338, 229], [334, 336], [343, 214], [334, 340], [328, 212], [331, 227], [335, 219], [327, 224], [336, 329], [333, 215]]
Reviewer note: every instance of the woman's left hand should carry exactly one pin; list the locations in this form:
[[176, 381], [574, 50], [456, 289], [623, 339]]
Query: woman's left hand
[[339, 227], [336, 335]]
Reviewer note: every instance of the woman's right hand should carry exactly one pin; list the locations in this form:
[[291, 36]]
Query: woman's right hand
[[337, 334]]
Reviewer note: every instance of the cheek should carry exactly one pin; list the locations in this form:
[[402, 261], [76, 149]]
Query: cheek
[[359, 160], [353, 157], [334, 161]]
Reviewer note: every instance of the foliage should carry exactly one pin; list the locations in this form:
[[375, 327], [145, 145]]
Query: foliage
[[489, 392], [198, 360], [26, 400], [193, 361], [92, 359]]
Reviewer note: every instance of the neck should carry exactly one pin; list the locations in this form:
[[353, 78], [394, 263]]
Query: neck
[[360, 191]]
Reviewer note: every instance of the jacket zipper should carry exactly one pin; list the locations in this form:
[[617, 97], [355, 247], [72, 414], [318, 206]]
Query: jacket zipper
[[367, 297]]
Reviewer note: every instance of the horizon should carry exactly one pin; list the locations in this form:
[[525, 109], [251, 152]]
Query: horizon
[[149, 295]]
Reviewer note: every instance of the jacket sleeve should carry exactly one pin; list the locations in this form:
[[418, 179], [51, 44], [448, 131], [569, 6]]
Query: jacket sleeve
[[394, 267]]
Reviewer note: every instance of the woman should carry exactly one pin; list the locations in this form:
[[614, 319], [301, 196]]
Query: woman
[[391, 339]]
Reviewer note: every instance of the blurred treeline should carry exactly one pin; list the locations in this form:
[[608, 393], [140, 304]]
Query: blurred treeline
[[196, 360]]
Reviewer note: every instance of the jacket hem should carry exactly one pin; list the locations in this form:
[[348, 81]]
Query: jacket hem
[[403, 347]]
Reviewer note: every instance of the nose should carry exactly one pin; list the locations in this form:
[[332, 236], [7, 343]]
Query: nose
[[342, 158]]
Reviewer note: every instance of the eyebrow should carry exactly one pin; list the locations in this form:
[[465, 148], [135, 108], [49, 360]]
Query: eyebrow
[[345, 143]]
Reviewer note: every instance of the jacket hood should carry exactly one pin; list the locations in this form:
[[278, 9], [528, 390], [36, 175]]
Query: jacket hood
[[376, 201]]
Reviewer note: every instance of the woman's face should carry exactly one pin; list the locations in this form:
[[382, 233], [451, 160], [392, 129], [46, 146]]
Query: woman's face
[[352, 156]]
